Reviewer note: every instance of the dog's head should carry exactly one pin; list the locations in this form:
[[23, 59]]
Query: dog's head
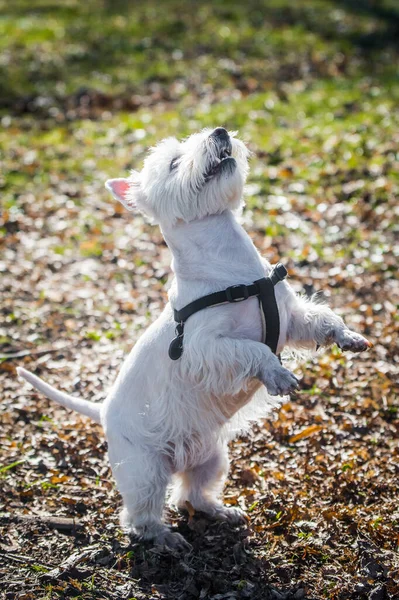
[[200, 176]]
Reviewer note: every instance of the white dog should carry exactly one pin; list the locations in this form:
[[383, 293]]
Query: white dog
[[166, 418]]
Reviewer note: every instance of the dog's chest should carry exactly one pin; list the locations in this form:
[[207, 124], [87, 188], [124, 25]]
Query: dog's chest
[[246, 320]]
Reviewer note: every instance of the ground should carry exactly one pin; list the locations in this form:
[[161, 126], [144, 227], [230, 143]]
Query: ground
[[86, 88]]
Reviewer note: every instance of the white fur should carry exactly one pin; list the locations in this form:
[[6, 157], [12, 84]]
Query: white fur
[[167, 419]]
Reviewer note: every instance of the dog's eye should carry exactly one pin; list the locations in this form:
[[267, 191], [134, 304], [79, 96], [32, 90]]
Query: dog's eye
[[174, 164]]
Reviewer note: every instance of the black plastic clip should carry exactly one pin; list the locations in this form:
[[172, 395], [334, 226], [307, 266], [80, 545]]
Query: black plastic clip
[[279, 273]]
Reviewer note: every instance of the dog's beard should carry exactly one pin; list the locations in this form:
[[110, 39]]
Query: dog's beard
[[223, 190]]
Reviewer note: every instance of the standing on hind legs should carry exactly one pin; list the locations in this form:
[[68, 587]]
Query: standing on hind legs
[[169, 421]]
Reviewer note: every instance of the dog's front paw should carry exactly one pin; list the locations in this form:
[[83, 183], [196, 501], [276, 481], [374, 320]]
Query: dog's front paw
[[350, 340], [279, 381]]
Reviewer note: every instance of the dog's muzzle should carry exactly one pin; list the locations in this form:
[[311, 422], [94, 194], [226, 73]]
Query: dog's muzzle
[[224, 160]]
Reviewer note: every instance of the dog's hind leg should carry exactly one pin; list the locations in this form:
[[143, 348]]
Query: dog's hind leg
[[142, 477], [202, 487]]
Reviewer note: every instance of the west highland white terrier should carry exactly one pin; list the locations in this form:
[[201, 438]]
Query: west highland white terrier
[[170, 420]]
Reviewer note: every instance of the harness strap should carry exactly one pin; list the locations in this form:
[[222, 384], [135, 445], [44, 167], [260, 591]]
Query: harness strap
[[264, 288], [267, 298], [234, 293]]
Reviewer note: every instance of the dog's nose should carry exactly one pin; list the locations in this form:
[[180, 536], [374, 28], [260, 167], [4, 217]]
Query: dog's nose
[[220, 131]]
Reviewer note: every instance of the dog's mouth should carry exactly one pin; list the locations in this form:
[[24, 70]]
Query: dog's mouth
[[222, 160]]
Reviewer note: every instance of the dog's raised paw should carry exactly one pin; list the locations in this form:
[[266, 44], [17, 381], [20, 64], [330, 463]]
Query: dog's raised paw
[[280, 382], [350, 340]]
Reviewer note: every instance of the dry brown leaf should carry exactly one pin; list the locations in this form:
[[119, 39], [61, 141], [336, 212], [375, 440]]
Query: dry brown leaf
[[308, 431]]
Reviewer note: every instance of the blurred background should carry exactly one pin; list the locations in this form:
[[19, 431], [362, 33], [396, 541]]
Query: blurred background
[[312, 87]]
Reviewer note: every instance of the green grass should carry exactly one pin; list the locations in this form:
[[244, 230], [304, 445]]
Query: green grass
[[12, 465], [57, 48], [329, 141]]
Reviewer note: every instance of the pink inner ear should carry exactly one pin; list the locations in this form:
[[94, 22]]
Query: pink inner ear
[[119, 188]]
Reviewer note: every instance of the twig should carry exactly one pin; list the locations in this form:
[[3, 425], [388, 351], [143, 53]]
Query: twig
[[20, 558], [23, 353], [59, 523]]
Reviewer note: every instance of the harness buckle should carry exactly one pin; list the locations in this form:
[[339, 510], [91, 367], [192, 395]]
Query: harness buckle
[[241, 289]]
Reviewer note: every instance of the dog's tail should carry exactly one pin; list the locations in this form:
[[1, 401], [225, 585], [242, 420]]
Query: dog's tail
[[84, 407]]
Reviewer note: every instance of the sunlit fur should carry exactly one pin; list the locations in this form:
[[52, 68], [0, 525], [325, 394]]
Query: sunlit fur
[[183, 193], [171, 420]]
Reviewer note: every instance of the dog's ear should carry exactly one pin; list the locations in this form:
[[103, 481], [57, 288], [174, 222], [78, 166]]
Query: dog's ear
[[125, 190]]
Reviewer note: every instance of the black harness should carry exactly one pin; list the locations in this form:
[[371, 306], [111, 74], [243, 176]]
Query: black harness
[[264, 288]]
